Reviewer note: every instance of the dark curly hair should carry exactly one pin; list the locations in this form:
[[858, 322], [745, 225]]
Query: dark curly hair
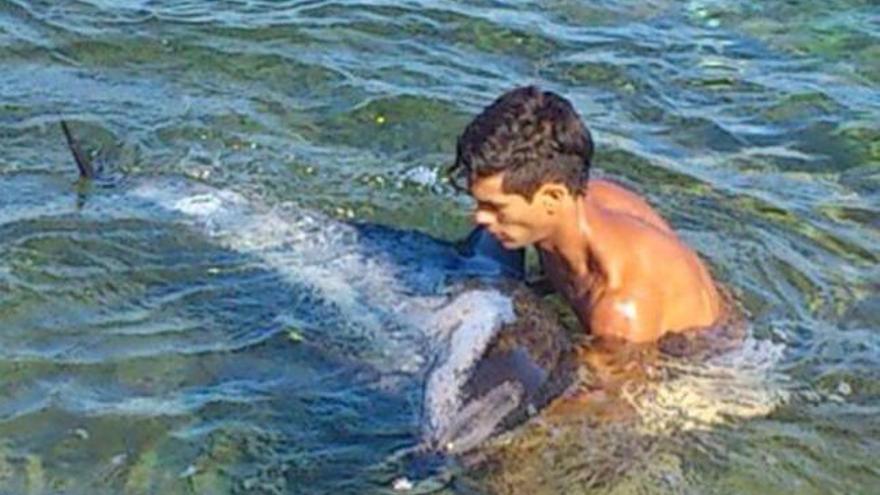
[[534, 136]]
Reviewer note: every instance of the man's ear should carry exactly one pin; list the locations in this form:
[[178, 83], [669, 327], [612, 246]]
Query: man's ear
[[550, 195]]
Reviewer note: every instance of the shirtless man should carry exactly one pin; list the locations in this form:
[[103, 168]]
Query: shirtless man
[[625, 273]]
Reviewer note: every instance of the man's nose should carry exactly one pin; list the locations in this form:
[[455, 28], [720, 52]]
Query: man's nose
[[483, 218]]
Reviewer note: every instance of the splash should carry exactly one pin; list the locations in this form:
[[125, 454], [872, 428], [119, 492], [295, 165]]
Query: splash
[[739, 384], [398, 292]]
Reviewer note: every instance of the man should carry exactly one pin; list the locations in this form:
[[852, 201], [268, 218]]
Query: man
[[623, 270]]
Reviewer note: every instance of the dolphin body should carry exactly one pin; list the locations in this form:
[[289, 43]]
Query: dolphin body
[[456, 316]]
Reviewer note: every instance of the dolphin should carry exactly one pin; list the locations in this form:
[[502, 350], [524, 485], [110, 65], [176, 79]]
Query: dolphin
[[456, 316], [490, 381]]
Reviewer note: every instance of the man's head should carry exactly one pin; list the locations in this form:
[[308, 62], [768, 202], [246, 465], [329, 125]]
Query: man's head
[[523, 155]]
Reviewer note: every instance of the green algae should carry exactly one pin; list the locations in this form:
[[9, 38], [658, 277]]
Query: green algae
[[35, 475]]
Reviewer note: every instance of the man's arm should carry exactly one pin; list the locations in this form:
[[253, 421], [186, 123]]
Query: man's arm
[[540, 285], [627, 314]]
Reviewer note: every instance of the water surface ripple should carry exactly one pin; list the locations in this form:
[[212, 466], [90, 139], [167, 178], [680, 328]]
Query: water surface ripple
[[137, 356]]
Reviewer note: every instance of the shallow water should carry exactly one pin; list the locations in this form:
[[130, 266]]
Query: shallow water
[[138, 356]]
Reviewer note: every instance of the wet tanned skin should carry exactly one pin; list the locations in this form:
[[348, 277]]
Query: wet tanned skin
[[620, 266]]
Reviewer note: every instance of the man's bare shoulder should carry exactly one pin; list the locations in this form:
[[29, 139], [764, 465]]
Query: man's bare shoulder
[[638, 252], [646, 260], [615, 197], [628, 237]]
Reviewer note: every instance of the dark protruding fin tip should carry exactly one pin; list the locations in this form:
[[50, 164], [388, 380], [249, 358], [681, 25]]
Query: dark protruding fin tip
[[86, 170]]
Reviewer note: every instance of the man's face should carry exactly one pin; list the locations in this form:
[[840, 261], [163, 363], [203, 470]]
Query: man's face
[[510, 218]]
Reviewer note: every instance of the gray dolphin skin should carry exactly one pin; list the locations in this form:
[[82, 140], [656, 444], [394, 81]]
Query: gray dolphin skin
[[456, 317], [490, 381]]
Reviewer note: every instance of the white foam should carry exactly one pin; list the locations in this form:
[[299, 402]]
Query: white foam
[[364, 285], [740, 384]]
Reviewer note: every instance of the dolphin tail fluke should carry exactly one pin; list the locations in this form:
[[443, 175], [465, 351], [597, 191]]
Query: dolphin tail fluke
[[83, 162]]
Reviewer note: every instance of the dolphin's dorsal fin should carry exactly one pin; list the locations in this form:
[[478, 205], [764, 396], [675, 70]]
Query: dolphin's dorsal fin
[[83, 163]]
